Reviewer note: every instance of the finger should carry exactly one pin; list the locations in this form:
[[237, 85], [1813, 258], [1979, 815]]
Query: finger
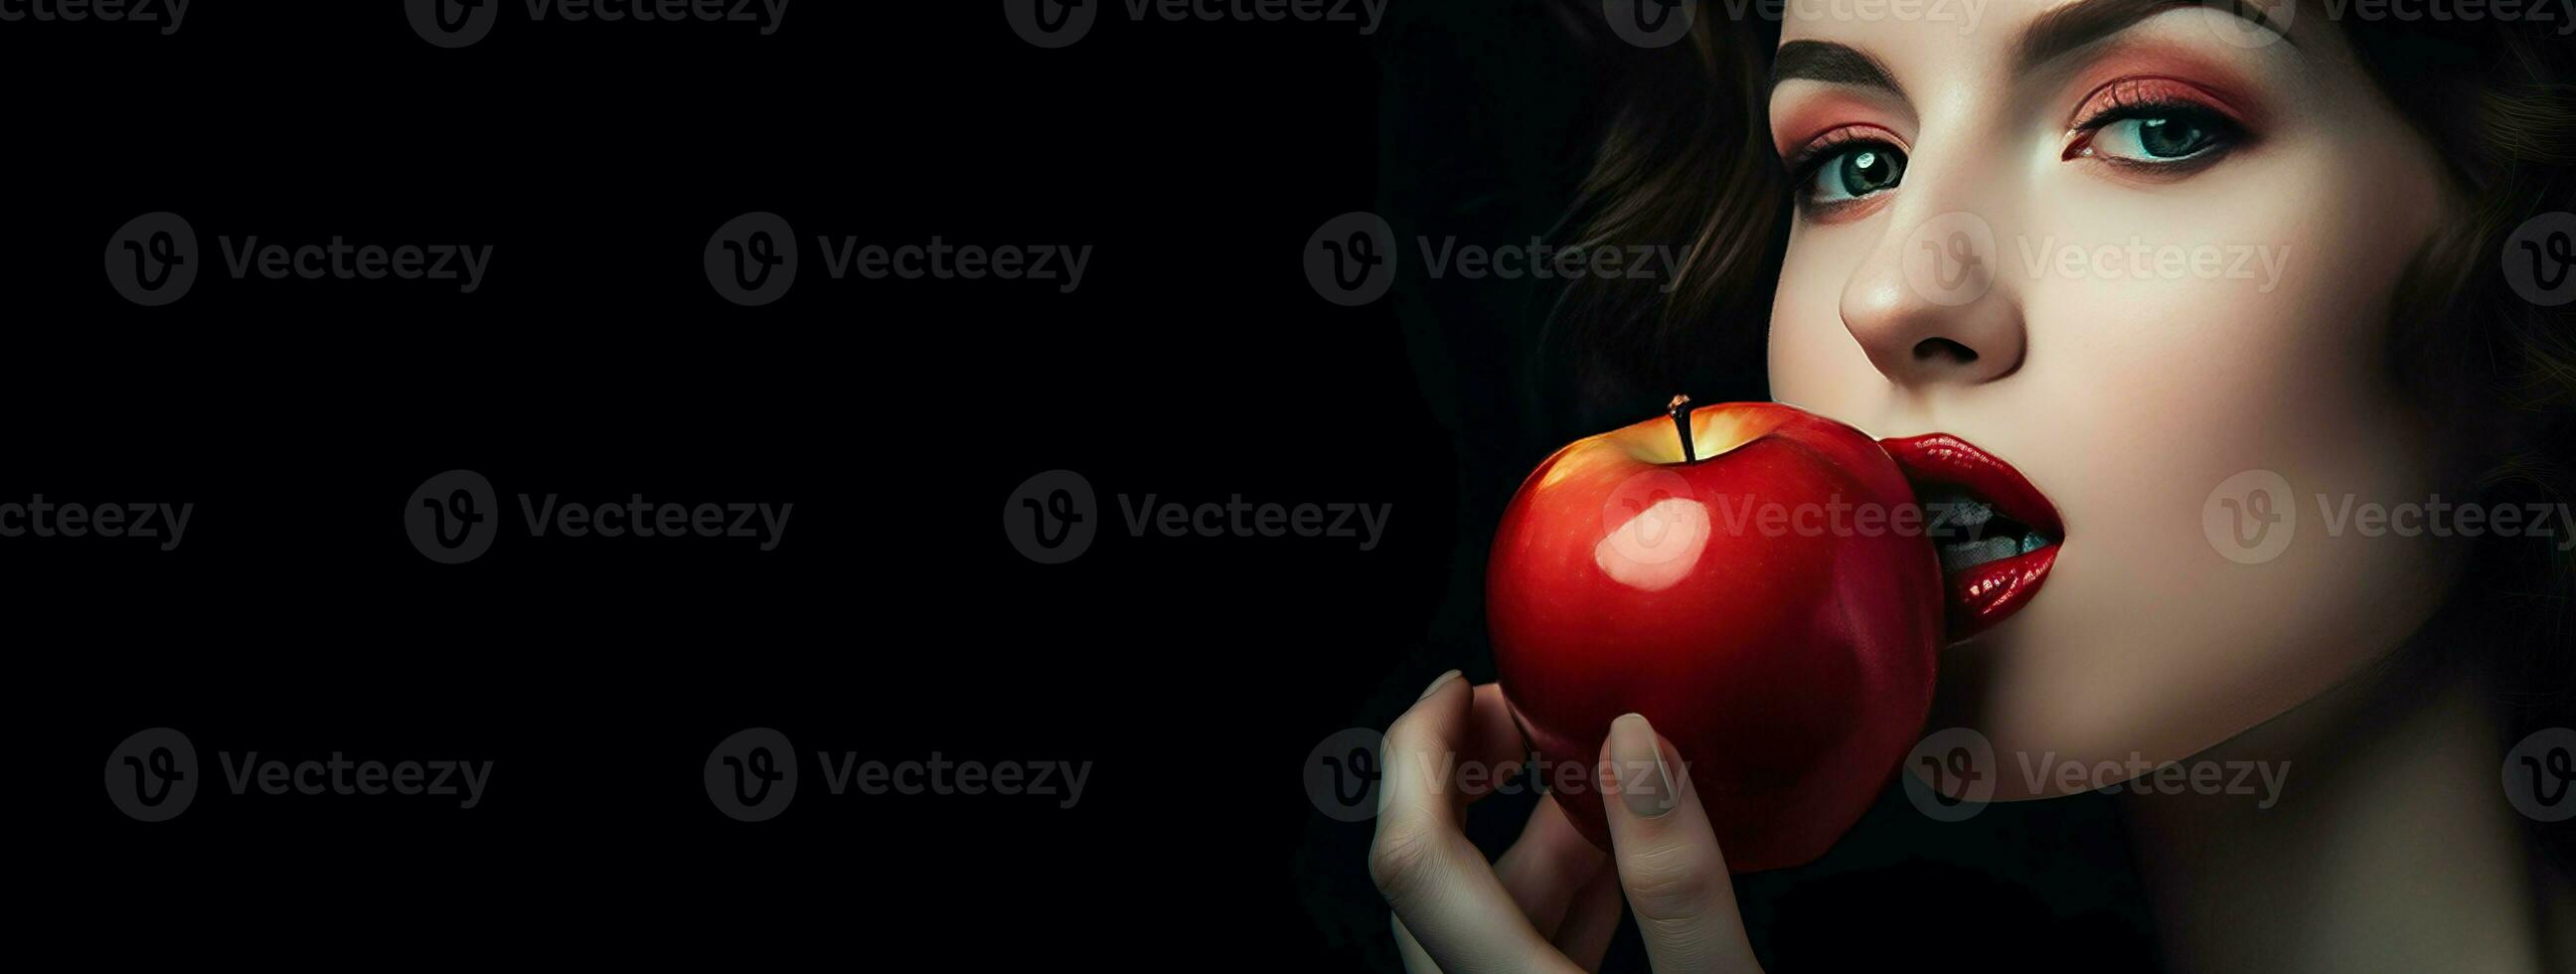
[[1591, 920], [1442, 889], [1494, 746], [1669, 863], [1416, 961], [1547, 865], [1449, 749]]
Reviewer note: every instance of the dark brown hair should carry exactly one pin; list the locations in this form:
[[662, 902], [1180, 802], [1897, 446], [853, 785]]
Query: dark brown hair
[[1685, 162]]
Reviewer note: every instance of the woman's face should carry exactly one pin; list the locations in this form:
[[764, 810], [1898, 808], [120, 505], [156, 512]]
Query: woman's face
[[2145, 252]]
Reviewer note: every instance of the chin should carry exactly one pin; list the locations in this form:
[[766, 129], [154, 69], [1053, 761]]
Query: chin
[[2096, 670], [2059, 683]]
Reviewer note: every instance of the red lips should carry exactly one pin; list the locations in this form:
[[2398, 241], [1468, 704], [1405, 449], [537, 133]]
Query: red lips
[[1982, 596]]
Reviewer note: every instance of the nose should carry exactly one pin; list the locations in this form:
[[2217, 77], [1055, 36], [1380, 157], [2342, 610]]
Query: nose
[[1934, 305]]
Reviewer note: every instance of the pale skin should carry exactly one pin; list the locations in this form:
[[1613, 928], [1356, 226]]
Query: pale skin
[[2128, 398]]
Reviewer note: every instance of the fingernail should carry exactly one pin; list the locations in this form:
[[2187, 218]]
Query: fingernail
[[1436, 685], [1644, 783]]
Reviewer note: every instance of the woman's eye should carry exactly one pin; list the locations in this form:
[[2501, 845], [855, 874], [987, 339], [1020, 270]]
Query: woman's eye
[[2158, 138], [1856, 172]]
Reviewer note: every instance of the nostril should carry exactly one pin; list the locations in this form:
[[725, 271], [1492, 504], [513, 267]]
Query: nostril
[[1943, 348]]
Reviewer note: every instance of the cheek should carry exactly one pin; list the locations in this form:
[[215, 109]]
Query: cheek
[[2246, 330], [1814, 362], [2168, 396]]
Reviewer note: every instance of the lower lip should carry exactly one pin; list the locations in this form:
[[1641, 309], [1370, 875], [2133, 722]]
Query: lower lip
[[1983, 596]]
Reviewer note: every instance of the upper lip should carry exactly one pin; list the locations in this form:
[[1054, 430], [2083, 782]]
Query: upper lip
[[1983, 591], [1944, 458]]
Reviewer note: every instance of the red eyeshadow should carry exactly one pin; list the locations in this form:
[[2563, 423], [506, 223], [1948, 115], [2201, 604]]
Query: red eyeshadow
[[2160, 75]]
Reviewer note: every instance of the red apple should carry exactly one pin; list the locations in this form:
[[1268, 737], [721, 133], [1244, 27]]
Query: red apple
[[1767, 599]]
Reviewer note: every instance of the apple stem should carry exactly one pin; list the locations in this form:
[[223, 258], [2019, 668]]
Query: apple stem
[[1679, 410]]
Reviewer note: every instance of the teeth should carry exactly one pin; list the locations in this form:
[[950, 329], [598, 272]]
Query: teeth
[[1959, 523], [1957, 557], [1954, 509], [1960, 557], [1968, 515]]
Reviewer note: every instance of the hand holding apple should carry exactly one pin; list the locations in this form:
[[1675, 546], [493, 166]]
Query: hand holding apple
[[1718, 572]]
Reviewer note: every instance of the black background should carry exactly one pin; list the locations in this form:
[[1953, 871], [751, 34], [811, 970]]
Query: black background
[[1194, 363]]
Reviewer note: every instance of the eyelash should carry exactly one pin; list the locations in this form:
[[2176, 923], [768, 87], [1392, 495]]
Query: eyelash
[[2157, 98], [1813, 155], [1811, 158], [2124, 100]]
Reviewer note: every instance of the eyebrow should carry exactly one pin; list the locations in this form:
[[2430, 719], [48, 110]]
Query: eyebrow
[[1831, 63], [2050, 36]]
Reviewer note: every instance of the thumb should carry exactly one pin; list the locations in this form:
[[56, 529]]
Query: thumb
[[1669, 863]]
